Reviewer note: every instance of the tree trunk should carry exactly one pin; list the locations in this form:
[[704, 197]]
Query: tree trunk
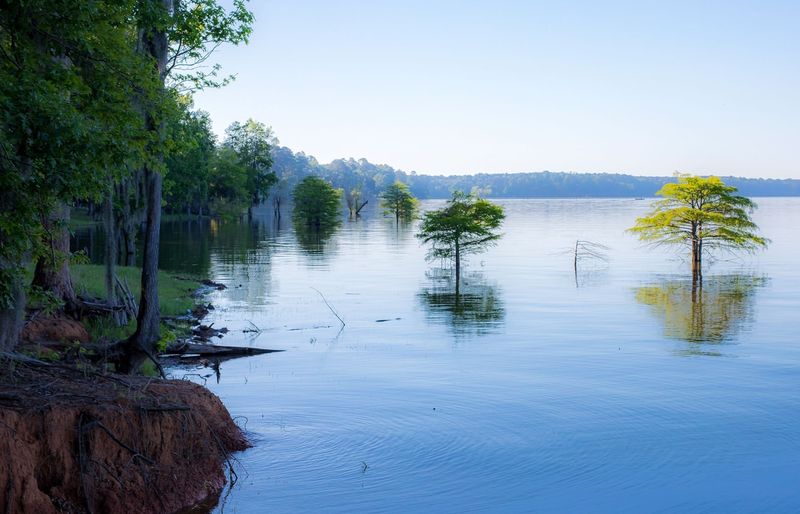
[[12, 261], [52, 269], [458, 267], [142, 344], [12, 313], [358, 209], [697, 257], [111, 247], [127, 220]]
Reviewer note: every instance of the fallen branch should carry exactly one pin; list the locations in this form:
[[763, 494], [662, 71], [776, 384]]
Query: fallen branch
[[203, 350], [329, 306], [255, 328]]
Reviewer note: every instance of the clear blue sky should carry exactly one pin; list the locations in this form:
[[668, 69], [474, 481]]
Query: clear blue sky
[[644, 87]]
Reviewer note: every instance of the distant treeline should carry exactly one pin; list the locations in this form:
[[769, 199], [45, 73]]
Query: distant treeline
[[371, 179]]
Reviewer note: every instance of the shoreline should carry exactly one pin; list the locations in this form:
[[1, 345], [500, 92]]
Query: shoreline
[[76, 439], [87, 442]]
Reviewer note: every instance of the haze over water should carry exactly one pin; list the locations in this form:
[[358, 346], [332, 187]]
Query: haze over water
[[539, 390]]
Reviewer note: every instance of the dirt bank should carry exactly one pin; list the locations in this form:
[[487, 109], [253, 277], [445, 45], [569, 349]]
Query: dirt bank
[[79, 442]]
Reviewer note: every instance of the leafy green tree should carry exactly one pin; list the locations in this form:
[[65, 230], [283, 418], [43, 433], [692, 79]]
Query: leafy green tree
[[227, 184], [187, 177], [466, 225], [702, 214], [172, 36], [317, 204], [66, 125], [398, 200], [253, 142]]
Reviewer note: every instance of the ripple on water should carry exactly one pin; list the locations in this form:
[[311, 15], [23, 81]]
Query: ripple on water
[[550, 393]]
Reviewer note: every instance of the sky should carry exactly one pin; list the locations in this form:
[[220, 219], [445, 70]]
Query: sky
[[457, 87]]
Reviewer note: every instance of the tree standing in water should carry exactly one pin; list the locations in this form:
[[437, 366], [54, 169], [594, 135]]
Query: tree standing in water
[[466, 225], [317, 204], [702, 214], [398, 200]]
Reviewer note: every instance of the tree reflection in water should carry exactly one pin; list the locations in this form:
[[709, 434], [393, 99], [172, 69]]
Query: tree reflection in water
[[478, 309], [708, 312], [313, 240]]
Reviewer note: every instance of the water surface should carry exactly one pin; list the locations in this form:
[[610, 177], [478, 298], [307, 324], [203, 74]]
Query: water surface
[[622, 388]]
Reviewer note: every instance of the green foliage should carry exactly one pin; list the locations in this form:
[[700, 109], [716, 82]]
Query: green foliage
[[317, 205], [397, 200], [702, 214], [168, 336], [253, 141], [106, 329], [43, 300], [79, 257], [66, 120], [466, 225], [227, 186], [188, 164], [197, 27], [372, 179]]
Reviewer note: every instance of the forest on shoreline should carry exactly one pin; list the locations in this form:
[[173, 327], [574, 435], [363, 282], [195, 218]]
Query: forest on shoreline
[[372, 179]]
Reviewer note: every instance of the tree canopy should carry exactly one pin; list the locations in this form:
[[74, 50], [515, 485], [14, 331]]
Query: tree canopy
[[317, 204], [466, 225], [702, 214], [253, 142], [92, 109], [398, 201]]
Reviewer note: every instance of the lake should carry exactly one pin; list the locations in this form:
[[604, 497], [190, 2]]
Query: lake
[[614, 389]]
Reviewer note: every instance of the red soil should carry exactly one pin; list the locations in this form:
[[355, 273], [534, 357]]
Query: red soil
[[54, 329], [82, 442]]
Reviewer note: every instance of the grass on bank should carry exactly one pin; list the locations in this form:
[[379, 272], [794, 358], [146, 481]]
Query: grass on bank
[[174, 295], [174, 292]]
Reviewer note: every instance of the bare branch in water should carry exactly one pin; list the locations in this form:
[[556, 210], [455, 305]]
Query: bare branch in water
[[329, 306]]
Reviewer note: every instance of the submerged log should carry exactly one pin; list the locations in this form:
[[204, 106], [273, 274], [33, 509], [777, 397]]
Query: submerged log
[[207, 350]]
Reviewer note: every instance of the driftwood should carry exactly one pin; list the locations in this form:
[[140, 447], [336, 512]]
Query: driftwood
[[206, 332], [127, 308], [205, 350], [214, 285], [128, 300]]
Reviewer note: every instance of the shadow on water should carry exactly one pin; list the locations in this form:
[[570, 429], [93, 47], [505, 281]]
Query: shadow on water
[[477, 310], [711, 312]]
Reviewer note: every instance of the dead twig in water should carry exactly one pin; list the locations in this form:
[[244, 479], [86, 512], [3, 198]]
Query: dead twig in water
[[329, 306], [255, 328]]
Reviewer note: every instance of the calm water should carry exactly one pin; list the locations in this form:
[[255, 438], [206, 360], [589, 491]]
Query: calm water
[[615, 390]]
